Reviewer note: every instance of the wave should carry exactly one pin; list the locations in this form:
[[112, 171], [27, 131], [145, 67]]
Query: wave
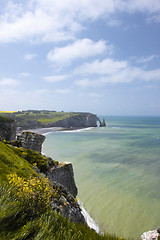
[[79, 130], [90, 222]]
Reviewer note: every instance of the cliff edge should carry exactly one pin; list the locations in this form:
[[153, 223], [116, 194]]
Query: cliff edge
[[81, 120], [32, 119]]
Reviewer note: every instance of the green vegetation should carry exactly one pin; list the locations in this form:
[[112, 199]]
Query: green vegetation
[[12, 163], [4, 119], [25, 212], [19, 223], [35, 193], [42, 117], [32, 157]]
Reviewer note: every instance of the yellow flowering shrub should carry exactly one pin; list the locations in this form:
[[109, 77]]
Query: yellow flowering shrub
[[36, 192]]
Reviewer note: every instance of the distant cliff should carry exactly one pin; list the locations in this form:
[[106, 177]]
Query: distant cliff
[[77, 120], [32, 119]]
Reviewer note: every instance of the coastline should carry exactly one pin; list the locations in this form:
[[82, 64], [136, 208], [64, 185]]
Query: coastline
[[45, 131], [89, 220]]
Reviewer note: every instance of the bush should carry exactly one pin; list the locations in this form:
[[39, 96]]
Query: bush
[[35, 193], [32, 157]]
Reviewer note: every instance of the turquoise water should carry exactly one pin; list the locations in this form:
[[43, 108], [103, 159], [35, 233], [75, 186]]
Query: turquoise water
[[117, 172]]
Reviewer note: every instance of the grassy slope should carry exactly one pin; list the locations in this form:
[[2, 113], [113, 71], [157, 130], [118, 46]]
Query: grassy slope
[[11, 163], [17, 222], [42, 117]]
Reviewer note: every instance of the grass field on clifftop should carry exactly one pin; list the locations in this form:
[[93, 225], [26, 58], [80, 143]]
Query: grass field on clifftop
[[43, 116]]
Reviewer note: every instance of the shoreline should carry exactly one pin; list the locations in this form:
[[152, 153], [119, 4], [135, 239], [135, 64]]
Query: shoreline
[[45, 131], [89, 220], [42, 131]]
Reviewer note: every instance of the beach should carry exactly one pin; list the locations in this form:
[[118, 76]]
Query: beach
[[44, 130]]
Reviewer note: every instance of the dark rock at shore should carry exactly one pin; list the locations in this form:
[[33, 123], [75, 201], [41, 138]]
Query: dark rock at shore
[[103, 123], [31, 141], [66, 205]]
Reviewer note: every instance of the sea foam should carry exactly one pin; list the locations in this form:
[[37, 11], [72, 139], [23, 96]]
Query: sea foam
[[90, 222]]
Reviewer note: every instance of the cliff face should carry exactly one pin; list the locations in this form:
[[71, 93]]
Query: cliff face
[[79, 120], [28, 124], [71, 209], [62, 178], [60, 175], [7, 129], [64, 175], [31, 141], [13, 162]]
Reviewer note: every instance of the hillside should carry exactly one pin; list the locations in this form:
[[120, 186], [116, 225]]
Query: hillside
[[26, 197], [37, 119]]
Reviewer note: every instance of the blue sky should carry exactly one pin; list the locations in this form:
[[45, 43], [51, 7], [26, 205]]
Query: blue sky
[[100, 56]]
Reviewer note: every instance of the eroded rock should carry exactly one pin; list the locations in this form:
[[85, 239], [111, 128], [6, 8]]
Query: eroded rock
[[150, 235], [63, 174], [65, 204], [30, 140]]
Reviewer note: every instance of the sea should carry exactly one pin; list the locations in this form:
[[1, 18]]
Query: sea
[[117, 172]]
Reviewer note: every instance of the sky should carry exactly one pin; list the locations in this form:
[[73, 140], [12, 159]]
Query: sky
[[99, 56]]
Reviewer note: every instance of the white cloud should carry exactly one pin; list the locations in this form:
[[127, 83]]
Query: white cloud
[[145, 6], [49, 20], [29, 56], [152, 75], [106, 66], [37, 21], [55, 78], [9, 82], [111, 71], [146, 59], [86, 82], [79, 49], [64, 91]]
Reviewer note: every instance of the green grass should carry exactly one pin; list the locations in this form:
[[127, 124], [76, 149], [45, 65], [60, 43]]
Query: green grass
[[12, 163], [5, 119], [32, 157], [43, 117], [17, 221], [54, 117]]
